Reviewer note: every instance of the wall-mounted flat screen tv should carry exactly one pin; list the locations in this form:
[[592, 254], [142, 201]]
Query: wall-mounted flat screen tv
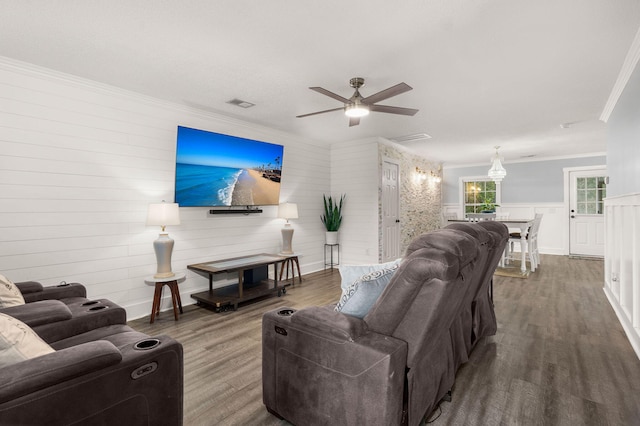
[[216, 170]]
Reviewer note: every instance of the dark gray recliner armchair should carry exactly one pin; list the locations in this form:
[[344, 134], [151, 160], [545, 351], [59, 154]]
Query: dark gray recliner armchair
[[101, 370], [61, 311], [33, 291], [109, 376], [394, 365]]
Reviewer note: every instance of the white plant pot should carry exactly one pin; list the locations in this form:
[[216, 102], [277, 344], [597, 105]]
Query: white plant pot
[[331, 237]]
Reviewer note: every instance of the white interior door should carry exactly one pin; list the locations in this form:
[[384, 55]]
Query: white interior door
[[587, 190], [390, 211]]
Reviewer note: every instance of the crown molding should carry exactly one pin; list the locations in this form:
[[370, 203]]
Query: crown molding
[[629, 64], [528, 160]]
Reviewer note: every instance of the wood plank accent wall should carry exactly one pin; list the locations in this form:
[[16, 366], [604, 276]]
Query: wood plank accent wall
[[622, 262], [354, 172], [80, 162]]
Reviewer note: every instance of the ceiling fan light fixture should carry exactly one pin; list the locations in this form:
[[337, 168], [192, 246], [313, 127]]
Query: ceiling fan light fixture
[[357, 106], [356, 110]]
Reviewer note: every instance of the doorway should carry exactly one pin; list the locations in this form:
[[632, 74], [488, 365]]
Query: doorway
[[587, 190], [390, 210]]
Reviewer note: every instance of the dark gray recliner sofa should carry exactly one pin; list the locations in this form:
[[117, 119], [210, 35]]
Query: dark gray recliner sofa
[[62, 311], [101, 373], [109, 376], [394, 365], [33, 291]]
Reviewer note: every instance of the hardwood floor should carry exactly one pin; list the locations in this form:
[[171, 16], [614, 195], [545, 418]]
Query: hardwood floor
[[560, 356], [222, 352]]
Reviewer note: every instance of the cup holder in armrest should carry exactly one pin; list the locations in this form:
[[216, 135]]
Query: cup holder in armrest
[[286, 312], [89, 303], [98, 308], [146, 344]]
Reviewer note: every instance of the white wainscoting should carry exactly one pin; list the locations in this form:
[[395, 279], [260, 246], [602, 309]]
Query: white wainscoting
[[552, 237], [80, 162], [622, 262]]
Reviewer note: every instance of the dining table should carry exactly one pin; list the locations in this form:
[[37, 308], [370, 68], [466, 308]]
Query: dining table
[[521, 224]]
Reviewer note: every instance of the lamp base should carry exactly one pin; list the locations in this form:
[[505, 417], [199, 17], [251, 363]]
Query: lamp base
[[287, 236], [163, 247], [164, 275]]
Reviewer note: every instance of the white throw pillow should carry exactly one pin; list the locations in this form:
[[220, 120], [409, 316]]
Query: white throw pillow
[[9, 293], [361, 294], [351, 273], [19, 342]]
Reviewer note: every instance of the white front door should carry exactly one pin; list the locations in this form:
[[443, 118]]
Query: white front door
[[587, 190], [390, 211]]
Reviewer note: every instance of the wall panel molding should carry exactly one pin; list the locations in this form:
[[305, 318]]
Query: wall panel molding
[[622, 265]]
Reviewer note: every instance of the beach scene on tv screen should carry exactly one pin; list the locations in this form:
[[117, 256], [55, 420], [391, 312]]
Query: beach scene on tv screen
[[213, 169]]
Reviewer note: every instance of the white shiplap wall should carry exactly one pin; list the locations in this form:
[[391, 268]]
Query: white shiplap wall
[[81, 161], [354, 172]]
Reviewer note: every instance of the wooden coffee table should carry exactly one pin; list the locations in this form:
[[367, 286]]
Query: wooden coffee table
[[229, 296]]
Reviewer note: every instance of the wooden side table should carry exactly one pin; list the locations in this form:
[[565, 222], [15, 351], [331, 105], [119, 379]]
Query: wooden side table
[[288, 264], [172, 283]]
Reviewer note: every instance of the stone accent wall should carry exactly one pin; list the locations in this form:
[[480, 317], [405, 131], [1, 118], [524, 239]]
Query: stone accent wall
[[420, 200]]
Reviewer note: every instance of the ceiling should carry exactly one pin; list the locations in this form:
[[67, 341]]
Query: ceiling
[[483, 72]]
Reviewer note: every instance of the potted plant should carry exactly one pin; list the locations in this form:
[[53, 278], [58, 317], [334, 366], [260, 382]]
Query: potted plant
[[332, 218], [488, 207]]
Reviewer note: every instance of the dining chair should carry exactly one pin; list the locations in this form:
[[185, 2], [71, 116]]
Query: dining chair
[[446, 217], [475, 217], [501, 215], [532, 242]]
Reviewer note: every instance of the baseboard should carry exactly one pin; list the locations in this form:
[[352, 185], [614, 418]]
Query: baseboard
[[584, 257], [632, 333], [143, 309]]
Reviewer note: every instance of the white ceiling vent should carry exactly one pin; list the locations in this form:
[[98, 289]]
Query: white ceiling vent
[[411, 138], [240, 103]]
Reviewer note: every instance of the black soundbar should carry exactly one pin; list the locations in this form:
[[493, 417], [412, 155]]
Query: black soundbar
[[234, 211]]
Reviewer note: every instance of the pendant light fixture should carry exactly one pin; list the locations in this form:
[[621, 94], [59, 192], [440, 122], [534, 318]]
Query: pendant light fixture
[[497, 172]]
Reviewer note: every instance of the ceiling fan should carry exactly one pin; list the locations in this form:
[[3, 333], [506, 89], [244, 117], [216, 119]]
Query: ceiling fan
[[357, 106]]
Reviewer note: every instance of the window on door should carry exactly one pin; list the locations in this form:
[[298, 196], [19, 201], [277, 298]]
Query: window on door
[[480, 195], [590, 194]]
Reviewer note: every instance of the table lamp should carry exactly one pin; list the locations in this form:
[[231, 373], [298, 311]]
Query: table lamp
[[163, 214], [287, 211]]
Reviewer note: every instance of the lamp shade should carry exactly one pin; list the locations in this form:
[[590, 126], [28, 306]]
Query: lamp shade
[[163, 214], [288, 211]]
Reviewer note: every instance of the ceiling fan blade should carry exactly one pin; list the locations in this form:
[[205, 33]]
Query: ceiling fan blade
[[330, 94], [393, 109], [387, 93], [319, 112], [354, 121]]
